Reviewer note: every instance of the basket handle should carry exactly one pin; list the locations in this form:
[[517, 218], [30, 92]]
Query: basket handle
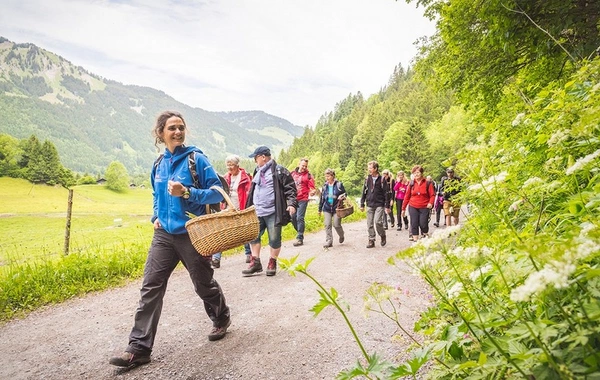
[[225, 196]]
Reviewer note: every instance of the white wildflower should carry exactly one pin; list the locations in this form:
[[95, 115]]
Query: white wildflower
[[455, 290], [489, 183], [518, 119], [556, 184], [553, 162], [440, 235], [427, 261], [586, 227], [479, 272], [485, 251], [558, 137], [586, 248], [555, 274], [533, 181], [515, 206], [493, 139], [433, 259], [465, 253], [523, 150], [582, 162]]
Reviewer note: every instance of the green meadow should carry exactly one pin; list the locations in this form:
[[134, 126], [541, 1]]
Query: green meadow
[[109, 239]]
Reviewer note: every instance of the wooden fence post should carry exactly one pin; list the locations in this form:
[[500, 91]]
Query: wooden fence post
[[68, 227]]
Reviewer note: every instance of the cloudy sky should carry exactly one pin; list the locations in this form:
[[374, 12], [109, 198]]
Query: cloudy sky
[[291, 58]]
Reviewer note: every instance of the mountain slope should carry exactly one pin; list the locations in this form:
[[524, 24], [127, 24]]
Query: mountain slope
[[93, 121]]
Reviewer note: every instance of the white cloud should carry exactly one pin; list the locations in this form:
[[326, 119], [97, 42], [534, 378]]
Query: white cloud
[[293, 59]]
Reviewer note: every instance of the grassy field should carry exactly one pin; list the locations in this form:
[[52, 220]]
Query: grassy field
[[110, 236], [33, 219]]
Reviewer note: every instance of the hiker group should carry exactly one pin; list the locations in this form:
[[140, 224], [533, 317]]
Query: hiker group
[[419, 195], [181, 180]]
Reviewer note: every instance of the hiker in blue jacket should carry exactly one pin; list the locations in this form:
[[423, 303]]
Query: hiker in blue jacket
[[176, 191], [332, 193]]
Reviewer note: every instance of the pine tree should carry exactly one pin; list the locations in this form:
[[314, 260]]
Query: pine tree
[[416, 146]]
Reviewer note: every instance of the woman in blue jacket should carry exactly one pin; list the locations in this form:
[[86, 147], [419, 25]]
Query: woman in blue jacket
[[174, 195], [332, 192]]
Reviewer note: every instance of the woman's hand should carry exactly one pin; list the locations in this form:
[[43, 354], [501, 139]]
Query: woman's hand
[[157, 224], [176, 189]]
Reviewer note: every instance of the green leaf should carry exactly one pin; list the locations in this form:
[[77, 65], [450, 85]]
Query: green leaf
[[456, 351], [322, 304], [482, 359]]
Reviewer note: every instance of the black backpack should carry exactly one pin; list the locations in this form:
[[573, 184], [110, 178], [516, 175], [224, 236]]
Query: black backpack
[[427, 186]]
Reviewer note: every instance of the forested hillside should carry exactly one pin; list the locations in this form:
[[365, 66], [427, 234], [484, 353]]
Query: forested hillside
[[508, 93], [93, 121]]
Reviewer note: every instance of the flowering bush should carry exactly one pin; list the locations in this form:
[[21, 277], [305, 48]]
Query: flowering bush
[[518, 286]]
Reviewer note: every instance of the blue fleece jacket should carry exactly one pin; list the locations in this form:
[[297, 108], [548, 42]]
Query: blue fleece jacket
[[171, 210]]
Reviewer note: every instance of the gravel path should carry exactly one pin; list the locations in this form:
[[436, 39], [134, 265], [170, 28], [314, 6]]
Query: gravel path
[[273, 334]]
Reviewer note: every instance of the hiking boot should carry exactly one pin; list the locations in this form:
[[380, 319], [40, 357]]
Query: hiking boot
[[128, 359], [371, 244], [392, 225], [411, 238], [248, 258], [436, 224], [254, 267], [341, 239], [216, 263], [327, 245], [219, 332], [406, 228], [298, 243], [399, 228], [272, 267], [383, 241]]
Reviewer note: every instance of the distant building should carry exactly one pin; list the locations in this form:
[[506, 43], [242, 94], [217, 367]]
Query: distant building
[[100, 181]]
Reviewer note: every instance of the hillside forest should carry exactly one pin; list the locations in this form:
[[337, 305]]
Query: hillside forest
[[508, 94]]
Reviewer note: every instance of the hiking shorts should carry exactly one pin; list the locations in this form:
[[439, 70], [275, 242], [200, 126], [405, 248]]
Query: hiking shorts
[[451, 208]]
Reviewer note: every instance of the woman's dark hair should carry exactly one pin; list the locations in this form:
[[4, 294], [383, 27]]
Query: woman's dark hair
[[159, 126]]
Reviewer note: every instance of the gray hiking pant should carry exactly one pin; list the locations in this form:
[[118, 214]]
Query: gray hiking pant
[[337, 224], [165, 253], [375, 217]]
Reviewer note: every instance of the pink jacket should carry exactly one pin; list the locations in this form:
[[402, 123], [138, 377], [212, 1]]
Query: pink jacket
[[400, 189]]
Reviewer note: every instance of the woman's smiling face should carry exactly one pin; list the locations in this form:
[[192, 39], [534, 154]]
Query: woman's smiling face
[[174, 133]]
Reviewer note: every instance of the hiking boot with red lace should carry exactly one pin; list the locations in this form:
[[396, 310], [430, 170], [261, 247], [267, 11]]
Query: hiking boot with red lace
[[254, 267], [272, 267], [130, 360]]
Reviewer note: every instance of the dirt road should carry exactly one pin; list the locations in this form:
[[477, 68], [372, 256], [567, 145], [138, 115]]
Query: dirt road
[[273, 334]]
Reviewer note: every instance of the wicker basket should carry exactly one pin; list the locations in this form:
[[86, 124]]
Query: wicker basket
[[223, 230], [344, 208]]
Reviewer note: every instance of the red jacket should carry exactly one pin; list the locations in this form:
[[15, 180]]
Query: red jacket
[[243, 186], [305, 182], [419, 195]]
